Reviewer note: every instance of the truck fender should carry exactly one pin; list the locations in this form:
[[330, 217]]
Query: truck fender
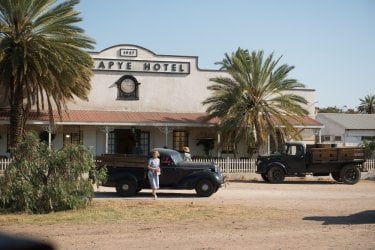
[[191, 180], [125, 175], [277, 164]]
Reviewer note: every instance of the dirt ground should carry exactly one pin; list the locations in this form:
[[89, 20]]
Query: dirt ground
[[297, 214]]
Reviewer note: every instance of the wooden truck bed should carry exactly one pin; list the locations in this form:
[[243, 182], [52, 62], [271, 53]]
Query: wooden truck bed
[[335, 154], [122, 160]]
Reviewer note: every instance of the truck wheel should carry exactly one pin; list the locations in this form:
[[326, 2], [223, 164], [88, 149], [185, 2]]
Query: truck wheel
[[336, 176], [350, 174], [126, 187], [276, 174], [265, 177], [204, 188]]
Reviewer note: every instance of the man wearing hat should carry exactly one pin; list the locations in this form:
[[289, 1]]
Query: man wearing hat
[[187, 155]]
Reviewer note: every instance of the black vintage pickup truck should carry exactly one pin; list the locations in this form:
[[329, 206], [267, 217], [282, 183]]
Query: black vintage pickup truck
[[345, 164], [128, 173]]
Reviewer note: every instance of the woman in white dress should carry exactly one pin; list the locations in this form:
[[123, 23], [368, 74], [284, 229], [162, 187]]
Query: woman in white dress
[[154, 172]]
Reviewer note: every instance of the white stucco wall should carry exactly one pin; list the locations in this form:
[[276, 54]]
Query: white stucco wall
[[158, 92], [309, 95]]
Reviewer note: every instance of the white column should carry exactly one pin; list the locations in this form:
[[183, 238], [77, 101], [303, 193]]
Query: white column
[[218, 143], [165, 130], [50, 129], [106, 140], [106, 130], [320, 135]]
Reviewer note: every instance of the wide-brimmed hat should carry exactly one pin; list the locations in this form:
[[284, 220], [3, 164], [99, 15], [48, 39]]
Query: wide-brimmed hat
[[186, 149]]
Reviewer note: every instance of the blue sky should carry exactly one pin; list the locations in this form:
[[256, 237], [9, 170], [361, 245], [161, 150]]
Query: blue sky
[[331, 43]]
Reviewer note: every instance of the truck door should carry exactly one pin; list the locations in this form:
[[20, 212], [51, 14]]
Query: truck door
[[169, 174], [295, 160]]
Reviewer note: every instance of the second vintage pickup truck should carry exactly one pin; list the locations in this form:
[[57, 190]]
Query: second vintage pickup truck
[[345, 164], [128, 173]]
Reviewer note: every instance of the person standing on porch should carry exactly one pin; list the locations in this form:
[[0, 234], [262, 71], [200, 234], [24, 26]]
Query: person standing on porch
[[187, 155], [154, 172]]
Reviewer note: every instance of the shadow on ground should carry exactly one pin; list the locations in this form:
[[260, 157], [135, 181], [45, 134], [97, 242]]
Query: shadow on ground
[[365, 217], [297, 181], [145, 195]]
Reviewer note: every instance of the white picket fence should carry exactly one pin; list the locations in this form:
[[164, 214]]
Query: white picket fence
[[227, 165], [4, 164], [230, 165]]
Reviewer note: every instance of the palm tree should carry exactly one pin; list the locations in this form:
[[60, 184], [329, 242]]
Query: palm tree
[[253, 102], [43, 62], [367, 105]]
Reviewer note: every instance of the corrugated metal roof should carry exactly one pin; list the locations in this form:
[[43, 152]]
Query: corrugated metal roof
[[145, 118], [118, 117], [350, 121]]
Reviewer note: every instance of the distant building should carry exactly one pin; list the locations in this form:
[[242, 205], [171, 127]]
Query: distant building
[[140, 100], [346, 129]]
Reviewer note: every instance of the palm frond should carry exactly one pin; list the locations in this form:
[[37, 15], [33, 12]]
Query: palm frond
[[254, 101]]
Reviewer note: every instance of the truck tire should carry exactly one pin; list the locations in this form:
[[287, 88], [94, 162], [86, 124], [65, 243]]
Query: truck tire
[[350, 174], [276, 174], [265, 177], [126, 187], [336, 176], [204, 188]]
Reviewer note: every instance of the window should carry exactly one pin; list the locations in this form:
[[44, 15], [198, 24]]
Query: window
[[295, 150], [180, 139], [144, 142], [228, 145], [337, 138], [326, 138], [73, 138], [111, 142], [8, 142], [367, 138]]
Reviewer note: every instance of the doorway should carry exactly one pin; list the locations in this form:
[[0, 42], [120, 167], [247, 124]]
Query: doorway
[[125, 141], [131, 141]]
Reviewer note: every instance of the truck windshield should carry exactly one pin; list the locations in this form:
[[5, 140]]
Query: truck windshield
[[176, 157], [285, 149], [296, 150]]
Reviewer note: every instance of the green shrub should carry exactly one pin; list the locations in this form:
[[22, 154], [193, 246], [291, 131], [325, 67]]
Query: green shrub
[[369, 148], [41, 180]]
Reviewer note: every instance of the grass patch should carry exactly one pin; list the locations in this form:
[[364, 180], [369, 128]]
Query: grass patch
[[120, 211]]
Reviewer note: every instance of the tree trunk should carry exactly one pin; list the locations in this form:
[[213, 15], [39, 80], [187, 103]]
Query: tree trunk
[[16, 118]]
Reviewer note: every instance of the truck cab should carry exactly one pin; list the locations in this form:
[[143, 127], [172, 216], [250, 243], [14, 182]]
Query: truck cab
[[291, 161], [294, 157]]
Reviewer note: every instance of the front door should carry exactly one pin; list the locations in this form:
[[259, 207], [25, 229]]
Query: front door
[[125, 141]]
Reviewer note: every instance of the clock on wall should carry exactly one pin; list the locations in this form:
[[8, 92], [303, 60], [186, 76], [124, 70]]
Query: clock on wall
[[127, 88], [128, 85]]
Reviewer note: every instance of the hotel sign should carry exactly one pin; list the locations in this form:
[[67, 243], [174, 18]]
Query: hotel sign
[[142, 66]]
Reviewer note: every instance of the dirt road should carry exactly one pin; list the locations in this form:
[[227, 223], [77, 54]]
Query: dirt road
[[299, 214]]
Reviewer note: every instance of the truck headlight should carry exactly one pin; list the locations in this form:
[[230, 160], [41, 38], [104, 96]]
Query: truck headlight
[[217, 169]]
